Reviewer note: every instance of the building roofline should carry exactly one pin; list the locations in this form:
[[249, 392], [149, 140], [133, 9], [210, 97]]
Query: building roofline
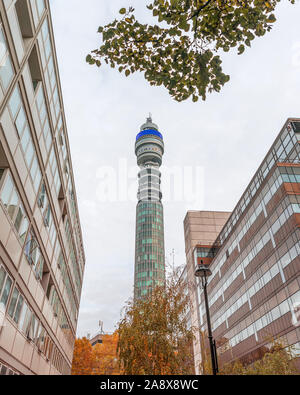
[[290, 119], [205, 211]]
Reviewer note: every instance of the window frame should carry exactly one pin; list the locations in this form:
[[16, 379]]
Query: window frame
[[18, 207]]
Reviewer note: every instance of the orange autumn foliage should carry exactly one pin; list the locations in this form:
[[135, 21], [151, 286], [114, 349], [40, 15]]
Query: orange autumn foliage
[[82, 357], [101, 359], [154, 335], [105, 356]]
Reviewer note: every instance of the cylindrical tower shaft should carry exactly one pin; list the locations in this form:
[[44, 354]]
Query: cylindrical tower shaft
[[149, 247]]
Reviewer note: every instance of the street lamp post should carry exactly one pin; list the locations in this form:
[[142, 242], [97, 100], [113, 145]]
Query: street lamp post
[[204, 272]]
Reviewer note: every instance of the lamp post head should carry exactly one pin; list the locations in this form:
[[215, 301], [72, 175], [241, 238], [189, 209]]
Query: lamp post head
[[203, 271]]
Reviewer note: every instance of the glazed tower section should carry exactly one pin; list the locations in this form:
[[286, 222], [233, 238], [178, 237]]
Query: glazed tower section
[[149, 247]]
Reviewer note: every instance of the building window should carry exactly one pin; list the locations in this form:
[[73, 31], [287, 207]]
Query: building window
[[13, 205], [6, 70], [25, 319], [49, 71], [19, 118], [38, 8], [43, 117], [61, 264], [24, 19], [34, 67], [15, 306], [5, 287], [54, 171], [41, 334], [44, 204], [15, 102], [3, 370], [32, 329], [34, 255]]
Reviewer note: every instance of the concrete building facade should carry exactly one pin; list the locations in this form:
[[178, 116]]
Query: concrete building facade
[[149, 246], [254, 290], [201, 228], [41, 250]]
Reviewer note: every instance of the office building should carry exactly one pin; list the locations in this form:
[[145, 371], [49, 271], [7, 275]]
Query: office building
[[41, 251], [254, 290]]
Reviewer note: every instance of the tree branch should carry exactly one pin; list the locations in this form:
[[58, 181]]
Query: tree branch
[[196, 13]]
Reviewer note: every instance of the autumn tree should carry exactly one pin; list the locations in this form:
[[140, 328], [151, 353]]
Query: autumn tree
[[154, 337], [278, 360], [105, 358], [82, 358], [102, 359], [180, 51]]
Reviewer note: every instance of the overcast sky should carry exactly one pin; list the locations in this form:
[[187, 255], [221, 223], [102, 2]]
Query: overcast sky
[[226, 137]]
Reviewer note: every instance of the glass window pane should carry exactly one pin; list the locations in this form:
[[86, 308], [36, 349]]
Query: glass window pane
[[50, 65], [6, 291], [43, 114], [18, 309], [13, 303], [6, 72], [48, 48], [40, 97], [3, 370], [53, 81], [6, 191], [23, 315], [34, 168], [3, 47], [20, 121], [13, 204], [45, 29], [40, 7], [18, 219], [2, 278], [25, 138], [48, 138], [37, 180], [27, 321], [33, 327], [23, 230], [29, 154], [15, 102]]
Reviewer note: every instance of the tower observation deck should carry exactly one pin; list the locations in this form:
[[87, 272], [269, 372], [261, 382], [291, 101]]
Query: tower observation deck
[[149, 247]]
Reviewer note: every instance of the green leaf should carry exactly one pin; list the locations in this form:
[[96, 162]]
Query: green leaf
[[271, 18], [241, 49], [170, 53]]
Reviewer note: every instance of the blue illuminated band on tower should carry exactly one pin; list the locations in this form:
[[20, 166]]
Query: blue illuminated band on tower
[[147, 132], [149, 248]]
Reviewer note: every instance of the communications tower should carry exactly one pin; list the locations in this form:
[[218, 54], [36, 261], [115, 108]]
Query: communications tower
[[149, 245]]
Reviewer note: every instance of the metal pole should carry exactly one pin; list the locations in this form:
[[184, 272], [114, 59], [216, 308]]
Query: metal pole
[[210, 338], [216, 356]]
